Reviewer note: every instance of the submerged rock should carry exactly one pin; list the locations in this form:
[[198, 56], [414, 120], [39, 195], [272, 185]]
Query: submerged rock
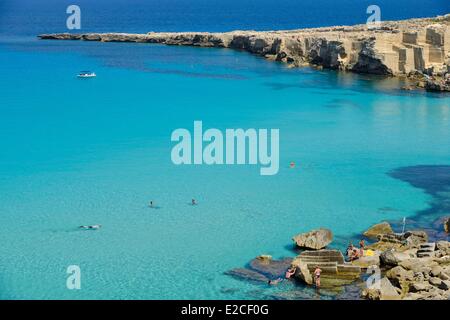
[[315, 239], [247, 274], [271, 268], [264, 257], [262, 269]]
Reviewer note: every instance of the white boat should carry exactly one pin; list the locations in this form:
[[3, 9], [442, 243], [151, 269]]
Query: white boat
[[86, 74]]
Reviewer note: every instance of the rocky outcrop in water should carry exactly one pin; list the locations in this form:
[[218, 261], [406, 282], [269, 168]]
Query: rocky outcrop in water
[[392, 48], [335, 271], [439, 84], [377, 229], [410, 268], [262, 269], [315, 239]]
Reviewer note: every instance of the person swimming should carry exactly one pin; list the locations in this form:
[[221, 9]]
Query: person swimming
[[92, 227], [274, 282], [151, 204], [193, 202], [290, 272]]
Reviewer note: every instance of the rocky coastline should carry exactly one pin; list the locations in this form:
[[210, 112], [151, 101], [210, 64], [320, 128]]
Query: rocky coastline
[[414, 49], [409, 267]]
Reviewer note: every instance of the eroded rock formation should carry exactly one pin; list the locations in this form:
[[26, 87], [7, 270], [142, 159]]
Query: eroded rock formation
[[315, 239]]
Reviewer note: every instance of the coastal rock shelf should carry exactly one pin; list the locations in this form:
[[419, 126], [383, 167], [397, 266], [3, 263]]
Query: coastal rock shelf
[[404, 47], [409, 268], [335, 271]]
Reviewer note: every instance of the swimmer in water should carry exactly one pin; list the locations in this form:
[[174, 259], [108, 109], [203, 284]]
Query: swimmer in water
[[151, 204], [94, 227], [290, 272], [274, 282], [194, 202]]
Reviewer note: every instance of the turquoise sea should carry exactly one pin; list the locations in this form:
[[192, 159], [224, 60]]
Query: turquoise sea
[[95, 151]]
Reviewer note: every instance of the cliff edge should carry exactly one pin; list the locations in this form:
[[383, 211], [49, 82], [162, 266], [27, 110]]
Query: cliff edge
[[417, 48]]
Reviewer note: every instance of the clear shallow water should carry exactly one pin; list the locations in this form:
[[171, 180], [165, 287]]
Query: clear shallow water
[[75, 152]]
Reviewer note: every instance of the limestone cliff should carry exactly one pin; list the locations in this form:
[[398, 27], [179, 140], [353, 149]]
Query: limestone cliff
[[391, 48]]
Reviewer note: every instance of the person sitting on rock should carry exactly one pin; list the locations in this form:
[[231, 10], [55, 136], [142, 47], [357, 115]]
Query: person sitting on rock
[[350, 249], [355, 254]]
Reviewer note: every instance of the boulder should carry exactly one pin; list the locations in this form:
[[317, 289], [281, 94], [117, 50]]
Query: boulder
[[387, 290], [264, 258], [371, 294], [399, 276], [444, 276], [445, 285], [419, 277], [420, 286], [415, 238], [436, 271], [435, 281], [443, 247], [380, 228], [437, 85], [393, 258], [303, 273], [386, 242], [315, 239], [423, 265], [366, 261], [442, 260], [412, 296]]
